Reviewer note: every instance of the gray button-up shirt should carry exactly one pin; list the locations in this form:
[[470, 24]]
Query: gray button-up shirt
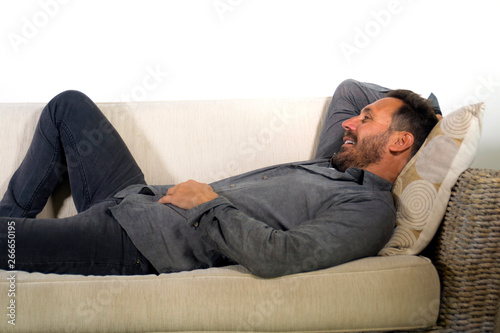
[[274, 221]]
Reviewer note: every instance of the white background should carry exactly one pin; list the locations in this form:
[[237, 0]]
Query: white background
[[221, 49]]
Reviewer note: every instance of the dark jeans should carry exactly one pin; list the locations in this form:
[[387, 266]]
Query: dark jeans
[[73, 139]]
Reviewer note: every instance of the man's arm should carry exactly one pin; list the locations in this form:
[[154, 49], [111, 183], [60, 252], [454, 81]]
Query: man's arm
[[346, 231], [349, 99]]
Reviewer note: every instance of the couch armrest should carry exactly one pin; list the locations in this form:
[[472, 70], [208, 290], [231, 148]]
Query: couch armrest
[[466, 253]]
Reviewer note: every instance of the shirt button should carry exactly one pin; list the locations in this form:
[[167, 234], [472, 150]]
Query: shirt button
[[196, 224], [232, 185], [265, 177]]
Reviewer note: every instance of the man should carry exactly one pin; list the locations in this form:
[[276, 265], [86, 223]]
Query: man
[[274, 221]]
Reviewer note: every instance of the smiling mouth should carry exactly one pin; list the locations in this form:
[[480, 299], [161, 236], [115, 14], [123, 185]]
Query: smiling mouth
[[349, 138], [349, 141]]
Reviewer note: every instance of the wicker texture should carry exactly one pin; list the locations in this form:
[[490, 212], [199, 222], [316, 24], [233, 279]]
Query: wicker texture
[[466, 253]]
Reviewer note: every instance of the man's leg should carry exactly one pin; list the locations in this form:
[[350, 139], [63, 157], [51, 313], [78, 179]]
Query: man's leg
[[90, 243], [72, 136]]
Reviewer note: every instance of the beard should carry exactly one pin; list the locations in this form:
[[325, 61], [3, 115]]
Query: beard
[[362, 154]]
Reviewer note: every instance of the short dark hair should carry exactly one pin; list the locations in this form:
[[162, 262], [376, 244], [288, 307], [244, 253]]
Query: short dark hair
[[416, 116]]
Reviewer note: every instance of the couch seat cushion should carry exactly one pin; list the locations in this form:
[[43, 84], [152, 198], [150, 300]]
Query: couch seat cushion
[[368, 294]]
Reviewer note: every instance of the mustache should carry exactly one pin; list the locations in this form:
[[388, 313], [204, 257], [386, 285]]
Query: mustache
[[349, 134]]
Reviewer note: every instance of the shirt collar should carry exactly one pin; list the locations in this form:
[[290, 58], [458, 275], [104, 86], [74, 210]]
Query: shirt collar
[[360, 176]]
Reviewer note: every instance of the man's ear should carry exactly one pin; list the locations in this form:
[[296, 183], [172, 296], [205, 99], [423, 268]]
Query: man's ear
[[401, 141]]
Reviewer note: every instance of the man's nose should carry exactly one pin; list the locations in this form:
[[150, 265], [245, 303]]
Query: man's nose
[[350, 124]]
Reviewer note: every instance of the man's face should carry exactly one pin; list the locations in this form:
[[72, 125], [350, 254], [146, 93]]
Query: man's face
[[367, 136]]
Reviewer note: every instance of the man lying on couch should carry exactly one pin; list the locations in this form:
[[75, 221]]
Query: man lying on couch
[[274, 221]]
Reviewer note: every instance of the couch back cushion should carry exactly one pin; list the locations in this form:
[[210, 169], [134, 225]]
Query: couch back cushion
[[174, 141]]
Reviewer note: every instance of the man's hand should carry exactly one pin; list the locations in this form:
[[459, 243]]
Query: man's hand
[[189, 194]]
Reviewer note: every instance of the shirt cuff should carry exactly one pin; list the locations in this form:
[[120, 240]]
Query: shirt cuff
[[194, 215]]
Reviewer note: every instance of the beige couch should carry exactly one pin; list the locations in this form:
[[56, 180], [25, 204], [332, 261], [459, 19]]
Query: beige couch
[[207, 140]]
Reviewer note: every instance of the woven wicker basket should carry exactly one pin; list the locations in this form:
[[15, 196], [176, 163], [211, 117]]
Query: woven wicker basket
[[466, 253]]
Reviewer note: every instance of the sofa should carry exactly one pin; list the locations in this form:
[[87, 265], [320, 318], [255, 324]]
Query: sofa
[[452, 285]]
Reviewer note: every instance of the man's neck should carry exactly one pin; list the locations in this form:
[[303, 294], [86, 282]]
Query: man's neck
[[388, 172]]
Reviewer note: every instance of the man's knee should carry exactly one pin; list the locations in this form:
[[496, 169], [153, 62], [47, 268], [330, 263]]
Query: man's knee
[[70, 96], [63, 105]]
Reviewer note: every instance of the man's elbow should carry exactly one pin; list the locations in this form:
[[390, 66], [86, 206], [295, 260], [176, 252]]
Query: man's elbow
[[268, 271]]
